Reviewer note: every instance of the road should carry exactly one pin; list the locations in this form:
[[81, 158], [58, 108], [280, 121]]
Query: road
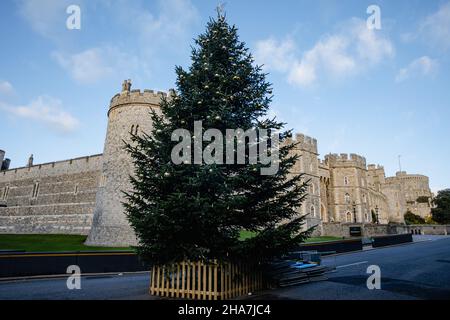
[[412, 271]]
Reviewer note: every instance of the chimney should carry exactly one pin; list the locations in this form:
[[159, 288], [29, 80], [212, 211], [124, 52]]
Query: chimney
[[2, 156], [30, 161]]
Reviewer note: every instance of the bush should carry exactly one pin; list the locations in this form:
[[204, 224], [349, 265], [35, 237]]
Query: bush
[[411, 218]]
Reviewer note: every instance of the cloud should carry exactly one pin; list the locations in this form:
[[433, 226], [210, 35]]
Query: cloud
[[46, 17], [350, 50], [95, 64], [46, 110], [174, 19], [436, 27], [433, 30], [6, 88], [154, 28], [423, 66], [276, 55]]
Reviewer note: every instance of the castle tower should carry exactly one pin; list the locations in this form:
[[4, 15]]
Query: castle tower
[[308, 165], [129, 112], [348, 188]]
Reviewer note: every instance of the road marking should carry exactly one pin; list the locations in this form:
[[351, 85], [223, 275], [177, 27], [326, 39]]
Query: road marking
[[352, 264]]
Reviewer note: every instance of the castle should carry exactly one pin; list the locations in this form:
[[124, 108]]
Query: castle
[[84, 195]]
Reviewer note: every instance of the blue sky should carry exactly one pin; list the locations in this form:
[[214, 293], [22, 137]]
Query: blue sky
[[378, 93]]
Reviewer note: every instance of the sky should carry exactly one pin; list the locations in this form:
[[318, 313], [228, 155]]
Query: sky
[[378, 92]]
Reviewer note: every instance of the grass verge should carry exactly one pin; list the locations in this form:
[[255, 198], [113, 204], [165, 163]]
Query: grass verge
[[50, 243]]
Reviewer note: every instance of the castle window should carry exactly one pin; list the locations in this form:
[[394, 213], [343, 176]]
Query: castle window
[[132, 129], [5, 193], [347, 198], [35, 192], [136, 131], [102, 180], [364, 198], [313, 189], [349, 217], [313, 211], [75, 191], [346, 181]]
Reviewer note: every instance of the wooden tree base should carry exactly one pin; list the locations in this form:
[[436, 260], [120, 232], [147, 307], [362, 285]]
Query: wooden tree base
[[205, 281]]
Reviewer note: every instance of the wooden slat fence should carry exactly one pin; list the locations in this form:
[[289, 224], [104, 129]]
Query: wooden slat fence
[[205, 281]]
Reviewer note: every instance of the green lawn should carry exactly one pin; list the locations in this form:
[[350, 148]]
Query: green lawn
[[41, 243], [249, 234], [322, 239], [51, 243]]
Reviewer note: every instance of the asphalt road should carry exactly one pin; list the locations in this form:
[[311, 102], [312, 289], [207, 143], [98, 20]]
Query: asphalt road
[[412, 271]]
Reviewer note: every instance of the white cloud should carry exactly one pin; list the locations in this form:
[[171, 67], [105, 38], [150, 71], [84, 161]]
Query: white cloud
[[46, 17], [423, 66], [95, 64], [155, 27], [276, 55], [169, 25], [47, 110], [350, 50], [436, 27], [6, 88]]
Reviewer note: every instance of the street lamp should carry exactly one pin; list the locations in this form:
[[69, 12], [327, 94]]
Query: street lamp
[[354, 212], [378, 216]]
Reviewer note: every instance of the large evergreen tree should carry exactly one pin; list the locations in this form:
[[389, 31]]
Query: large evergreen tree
[[197, 212]]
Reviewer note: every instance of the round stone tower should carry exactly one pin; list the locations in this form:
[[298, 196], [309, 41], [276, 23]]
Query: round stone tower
[[129, 112]]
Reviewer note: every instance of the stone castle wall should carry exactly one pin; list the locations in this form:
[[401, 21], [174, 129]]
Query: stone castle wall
[[52, 198], [83, 195]]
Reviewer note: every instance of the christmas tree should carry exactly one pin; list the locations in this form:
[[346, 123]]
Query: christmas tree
[[197, 211]]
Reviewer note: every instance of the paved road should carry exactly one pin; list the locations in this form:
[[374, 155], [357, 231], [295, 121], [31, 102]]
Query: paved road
[[413, 271]]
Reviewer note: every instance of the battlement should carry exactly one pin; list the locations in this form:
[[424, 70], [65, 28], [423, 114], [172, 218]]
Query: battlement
[[305, 143], [347, 160], [139, 97], [406, 176], [82, 164], [374, 167]]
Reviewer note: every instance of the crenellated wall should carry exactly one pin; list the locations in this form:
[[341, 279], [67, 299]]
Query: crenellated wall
[[55, 197]]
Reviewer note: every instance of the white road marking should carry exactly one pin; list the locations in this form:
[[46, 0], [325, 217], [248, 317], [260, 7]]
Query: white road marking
[[352, 264]]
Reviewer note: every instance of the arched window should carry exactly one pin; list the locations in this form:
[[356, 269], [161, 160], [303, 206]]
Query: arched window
[[364, 198], [349, 216], [347, 198], [313, 211], [313, 188], [137, 129], [132, 129], [346, 181]]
